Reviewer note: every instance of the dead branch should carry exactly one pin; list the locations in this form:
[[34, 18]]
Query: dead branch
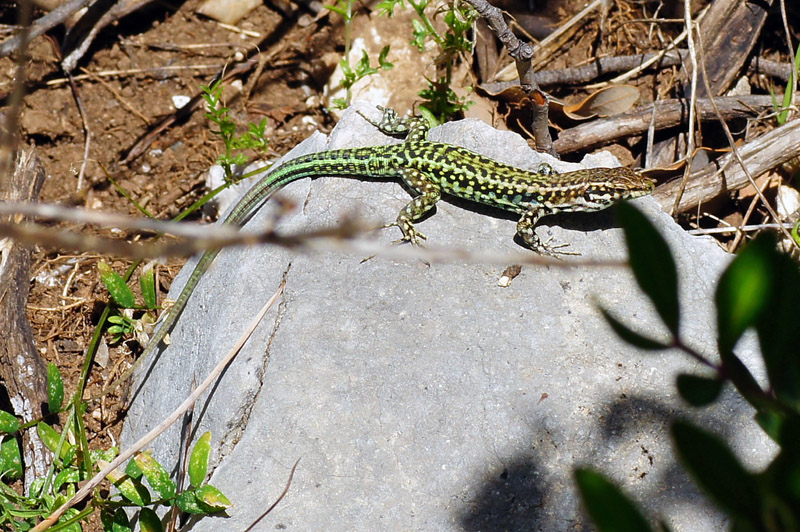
[[22, 369], [666, 114], [724, 175]]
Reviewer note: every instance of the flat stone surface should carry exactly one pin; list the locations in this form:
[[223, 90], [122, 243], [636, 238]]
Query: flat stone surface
[[426, 397]]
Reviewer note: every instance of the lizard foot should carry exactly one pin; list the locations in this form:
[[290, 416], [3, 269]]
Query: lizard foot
[[544, 248]]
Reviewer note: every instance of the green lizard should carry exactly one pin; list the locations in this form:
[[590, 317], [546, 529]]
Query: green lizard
[[430, 169]]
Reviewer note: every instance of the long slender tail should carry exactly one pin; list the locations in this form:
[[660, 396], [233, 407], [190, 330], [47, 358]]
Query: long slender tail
[[347, 162]]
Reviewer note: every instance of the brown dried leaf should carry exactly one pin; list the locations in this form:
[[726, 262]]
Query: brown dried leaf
[[604, 102]]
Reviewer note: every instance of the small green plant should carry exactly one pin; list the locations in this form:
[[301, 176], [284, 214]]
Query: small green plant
[[123, 324], [439, 99], [783, 110], [235, 144], [759, 290], [362, 68], [74, 463], [199, 499]]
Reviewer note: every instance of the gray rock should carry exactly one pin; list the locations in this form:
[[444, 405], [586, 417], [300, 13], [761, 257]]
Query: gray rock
[[429, 398]]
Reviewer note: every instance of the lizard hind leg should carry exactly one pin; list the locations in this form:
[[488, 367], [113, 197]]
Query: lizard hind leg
[[429, 194], [412, 128]]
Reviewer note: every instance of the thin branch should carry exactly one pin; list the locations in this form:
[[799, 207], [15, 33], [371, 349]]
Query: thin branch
[[737, 229], [10, 119], [687, 10], [734, 149], [279, 499], [668, 113], [204, 237], [87, 133], [724, 175], [522, 53], [636, 63], [750, 209], [41, 25]]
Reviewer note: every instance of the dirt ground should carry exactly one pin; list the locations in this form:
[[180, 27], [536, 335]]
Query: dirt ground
[[175, 50], [66, 293]]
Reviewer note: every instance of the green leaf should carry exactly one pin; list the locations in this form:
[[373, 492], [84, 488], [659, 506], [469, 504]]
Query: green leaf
[[771, 423], [187, 502], [156, 475], [55, 388], [347, 72], [336, 9], [384, 64], [147, 282], [10, 459], [149, 521], [743, 292], [652, 264], [761, 288], [120, 292], [630, 336], [198, 461], [51, 439], [213, 498], [697, 390], [608, 507], [782, 477], [778, 331], [419, 33], [63, 522], [133, 490], [66, 475], [787, 93], [133, 470], [717, 471], [202, 501], [104, 454], [8, 422], [735, 370], [362, 67], [116, 522]]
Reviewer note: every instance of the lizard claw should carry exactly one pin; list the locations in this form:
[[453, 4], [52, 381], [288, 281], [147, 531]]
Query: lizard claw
[[410, 235], [544, 248]]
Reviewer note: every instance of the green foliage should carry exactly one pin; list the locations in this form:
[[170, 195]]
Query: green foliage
[[116, 285], [783, 110], [156, 475], [652, 264], [55, 388], [21, 513], [608, 507], [123, 325], [698, 390], [362, 68], [147, 283], [441, 101], [198, 461], [439, 98], [10, 459], [235, 144], [759, 290], [73, 463], [8, 423]]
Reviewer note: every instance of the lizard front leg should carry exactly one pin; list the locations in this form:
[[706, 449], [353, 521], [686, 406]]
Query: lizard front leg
[[526, 229], [429, 194]]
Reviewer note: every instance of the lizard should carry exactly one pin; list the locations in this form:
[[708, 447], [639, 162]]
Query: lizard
[[430, 169]]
